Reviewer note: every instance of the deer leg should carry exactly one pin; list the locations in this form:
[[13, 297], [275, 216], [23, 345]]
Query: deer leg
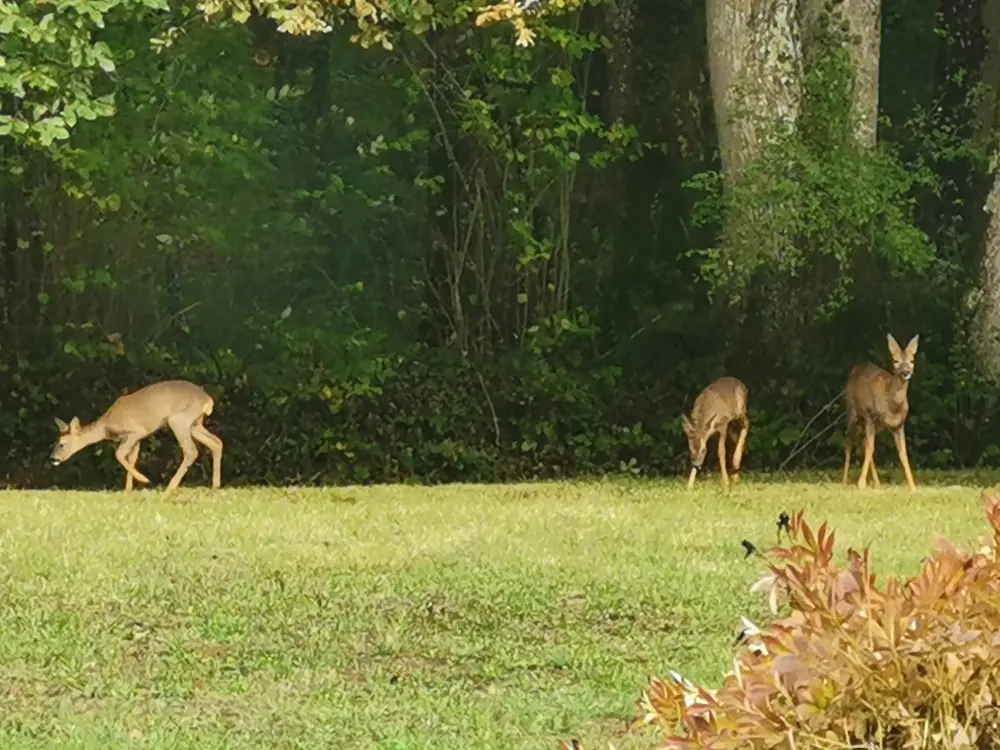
[[869, 454], [874, 469], [132, 458], [722, 455], [848, 445], [741, 445], [182, 431], [214, 444], [875, 479], [900, 437], [123, 452]]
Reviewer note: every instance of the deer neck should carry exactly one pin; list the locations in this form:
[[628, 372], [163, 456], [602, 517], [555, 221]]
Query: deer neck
[[900, 388], [704, 423], [92, 433]]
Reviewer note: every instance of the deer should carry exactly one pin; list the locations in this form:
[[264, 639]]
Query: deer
[[879, 400], [720, 404], [178, 404]]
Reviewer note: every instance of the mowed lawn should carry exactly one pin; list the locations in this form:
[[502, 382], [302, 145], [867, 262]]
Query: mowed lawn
[[392, 617]]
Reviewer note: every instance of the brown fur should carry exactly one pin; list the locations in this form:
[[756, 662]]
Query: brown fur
[[878, 399], [720, 404], [177, 404]]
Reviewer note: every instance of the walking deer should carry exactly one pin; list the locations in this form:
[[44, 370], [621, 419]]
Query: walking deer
[[177, 404], [721, 403], [879, 399]]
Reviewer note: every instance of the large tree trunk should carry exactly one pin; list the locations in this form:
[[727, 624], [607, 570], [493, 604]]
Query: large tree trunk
[[755, 66], [755, 69], [864, 21]]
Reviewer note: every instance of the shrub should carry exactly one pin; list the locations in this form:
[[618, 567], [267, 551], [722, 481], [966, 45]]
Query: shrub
[[911, 664]]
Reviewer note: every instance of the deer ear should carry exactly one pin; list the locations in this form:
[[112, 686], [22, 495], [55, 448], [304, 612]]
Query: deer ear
[[63, 427], [74, 425], [894, 350], [688, 425], [911, 348]]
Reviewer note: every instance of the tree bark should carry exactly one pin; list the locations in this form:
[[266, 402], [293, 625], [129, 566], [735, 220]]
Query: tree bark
[[864, 21], [986, 328], [989, 106], [987, 333], [755, 70], [619, 20]]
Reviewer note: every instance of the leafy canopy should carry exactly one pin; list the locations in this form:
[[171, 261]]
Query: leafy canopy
[[54, 67], [376, 18]]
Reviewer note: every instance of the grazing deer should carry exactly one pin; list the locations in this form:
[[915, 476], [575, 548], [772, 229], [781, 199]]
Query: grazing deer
[[721, 403], [879, 399], [177, 404]]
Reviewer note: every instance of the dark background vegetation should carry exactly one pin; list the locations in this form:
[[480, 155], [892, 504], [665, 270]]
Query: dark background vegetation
[[463, 260]]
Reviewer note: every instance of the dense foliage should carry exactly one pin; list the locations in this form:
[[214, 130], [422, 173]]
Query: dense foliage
[[413, 248], [909, 664]]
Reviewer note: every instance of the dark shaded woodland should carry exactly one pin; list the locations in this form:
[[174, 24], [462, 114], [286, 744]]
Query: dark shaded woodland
[[461, 259]]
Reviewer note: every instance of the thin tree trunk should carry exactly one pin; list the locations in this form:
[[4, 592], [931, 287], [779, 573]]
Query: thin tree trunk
[[620, 20], [989, 106], [986, 331], [988, 313]]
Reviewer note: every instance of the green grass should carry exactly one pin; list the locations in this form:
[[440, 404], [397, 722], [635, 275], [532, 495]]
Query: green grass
[[446, 618]]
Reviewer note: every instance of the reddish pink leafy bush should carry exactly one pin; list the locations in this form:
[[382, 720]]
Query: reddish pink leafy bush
[[911, 664]]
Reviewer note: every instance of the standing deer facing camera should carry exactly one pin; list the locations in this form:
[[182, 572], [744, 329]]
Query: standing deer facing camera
[[177, 404], [879, 399], [721, 403]]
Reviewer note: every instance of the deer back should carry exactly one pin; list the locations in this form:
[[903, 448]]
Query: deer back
[[148, 409], [723, 401]]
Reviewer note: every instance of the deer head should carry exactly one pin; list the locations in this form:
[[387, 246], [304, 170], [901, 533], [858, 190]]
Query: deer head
[[903, 359], [72, 438], [697, 442]]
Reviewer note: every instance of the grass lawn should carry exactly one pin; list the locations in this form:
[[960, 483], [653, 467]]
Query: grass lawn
[[390, 617]]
